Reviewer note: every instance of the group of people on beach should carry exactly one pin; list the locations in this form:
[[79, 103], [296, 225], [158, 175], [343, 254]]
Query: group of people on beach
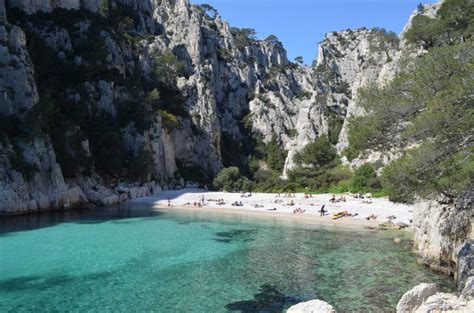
[[337, 200], [298, 210], [218, 201], [290, 202], [287, 195]]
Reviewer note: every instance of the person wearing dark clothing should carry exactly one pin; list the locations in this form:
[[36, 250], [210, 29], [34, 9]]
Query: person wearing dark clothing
[[322, 211]]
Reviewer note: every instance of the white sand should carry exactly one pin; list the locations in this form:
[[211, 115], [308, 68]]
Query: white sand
[[381, 207]]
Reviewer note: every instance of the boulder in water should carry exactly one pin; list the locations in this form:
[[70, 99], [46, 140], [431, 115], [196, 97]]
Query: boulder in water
[[313, 306]]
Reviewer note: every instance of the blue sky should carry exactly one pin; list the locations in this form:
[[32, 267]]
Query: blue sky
[[301, 24]]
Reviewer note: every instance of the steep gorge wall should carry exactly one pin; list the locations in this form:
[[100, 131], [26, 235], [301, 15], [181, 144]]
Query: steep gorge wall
[[229, 83], [226, 78]]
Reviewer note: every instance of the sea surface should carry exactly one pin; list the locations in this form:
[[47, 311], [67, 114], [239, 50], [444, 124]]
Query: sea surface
[[131, 259]]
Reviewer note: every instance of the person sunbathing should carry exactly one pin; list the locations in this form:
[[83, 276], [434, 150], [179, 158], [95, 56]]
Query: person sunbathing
[[371, 217], [298, 210], [333, 199]]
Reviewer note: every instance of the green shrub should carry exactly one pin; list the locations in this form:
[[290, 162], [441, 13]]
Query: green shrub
[[335, 126], [276, 155], [319, 154], [170, 122], [344, 87], [230, 179], [365, 178], [167, 68]]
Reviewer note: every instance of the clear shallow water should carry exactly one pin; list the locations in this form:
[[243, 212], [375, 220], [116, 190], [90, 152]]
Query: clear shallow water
[[134, 260]]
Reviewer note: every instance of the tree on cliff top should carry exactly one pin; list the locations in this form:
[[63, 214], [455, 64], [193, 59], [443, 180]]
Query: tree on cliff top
[[428, 108], [454, 24]]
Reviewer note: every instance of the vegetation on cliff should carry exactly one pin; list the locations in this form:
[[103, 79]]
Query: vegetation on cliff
[[426, 112]]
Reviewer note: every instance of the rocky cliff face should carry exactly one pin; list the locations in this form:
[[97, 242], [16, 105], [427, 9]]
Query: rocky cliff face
[[224, 76], [170, 88], [441, 227]]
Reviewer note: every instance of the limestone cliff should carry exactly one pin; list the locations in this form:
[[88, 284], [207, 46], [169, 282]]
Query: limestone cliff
[[98, 64], [131, 96]]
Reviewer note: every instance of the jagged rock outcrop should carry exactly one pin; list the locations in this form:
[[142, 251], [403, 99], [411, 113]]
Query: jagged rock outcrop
[[313, 306], [441, 226], [33, 6], [18, 91], [43, 188], [465, 269], [444, 239], [424, 298], [415, 297], [357, 58]]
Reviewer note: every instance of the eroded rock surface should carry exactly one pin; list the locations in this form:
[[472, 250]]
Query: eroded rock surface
[[313, 306]]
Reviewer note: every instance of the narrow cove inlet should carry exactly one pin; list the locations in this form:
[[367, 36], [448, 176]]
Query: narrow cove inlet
[[202, 156], [132, 258]]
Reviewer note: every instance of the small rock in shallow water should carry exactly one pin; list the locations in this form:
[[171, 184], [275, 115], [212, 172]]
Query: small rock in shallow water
[[397, 240]]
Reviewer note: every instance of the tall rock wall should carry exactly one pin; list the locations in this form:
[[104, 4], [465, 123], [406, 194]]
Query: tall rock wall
[[441, 227], [98, 60]]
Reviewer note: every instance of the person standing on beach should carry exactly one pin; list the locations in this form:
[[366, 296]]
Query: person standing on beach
[[322, 211]]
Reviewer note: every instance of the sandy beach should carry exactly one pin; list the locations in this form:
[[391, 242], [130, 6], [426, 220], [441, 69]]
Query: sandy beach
[[264, 205]]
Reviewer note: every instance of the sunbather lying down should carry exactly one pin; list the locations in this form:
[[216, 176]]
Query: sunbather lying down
[[371, 217], [298, 210]]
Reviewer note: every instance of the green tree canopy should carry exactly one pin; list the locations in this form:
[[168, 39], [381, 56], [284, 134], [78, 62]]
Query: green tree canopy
[[230, 179], [428, 112], [319, 154], [454, 24]]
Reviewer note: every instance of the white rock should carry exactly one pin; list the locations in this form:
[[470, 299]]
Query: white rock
[[415, 297], [445, 302], [313, 306]]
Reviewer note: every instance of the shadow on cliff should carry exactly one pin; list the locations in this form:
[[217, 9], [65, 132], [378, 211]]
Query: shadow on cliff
[[11, 224], [172, 194]]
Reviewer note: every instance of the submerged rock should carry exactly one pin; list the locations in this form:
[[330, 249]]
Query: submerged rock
[[313, 306]]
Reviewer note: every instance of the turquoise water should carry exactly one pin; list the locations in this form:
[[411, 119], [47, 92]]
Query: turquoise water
[[129, 259]]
